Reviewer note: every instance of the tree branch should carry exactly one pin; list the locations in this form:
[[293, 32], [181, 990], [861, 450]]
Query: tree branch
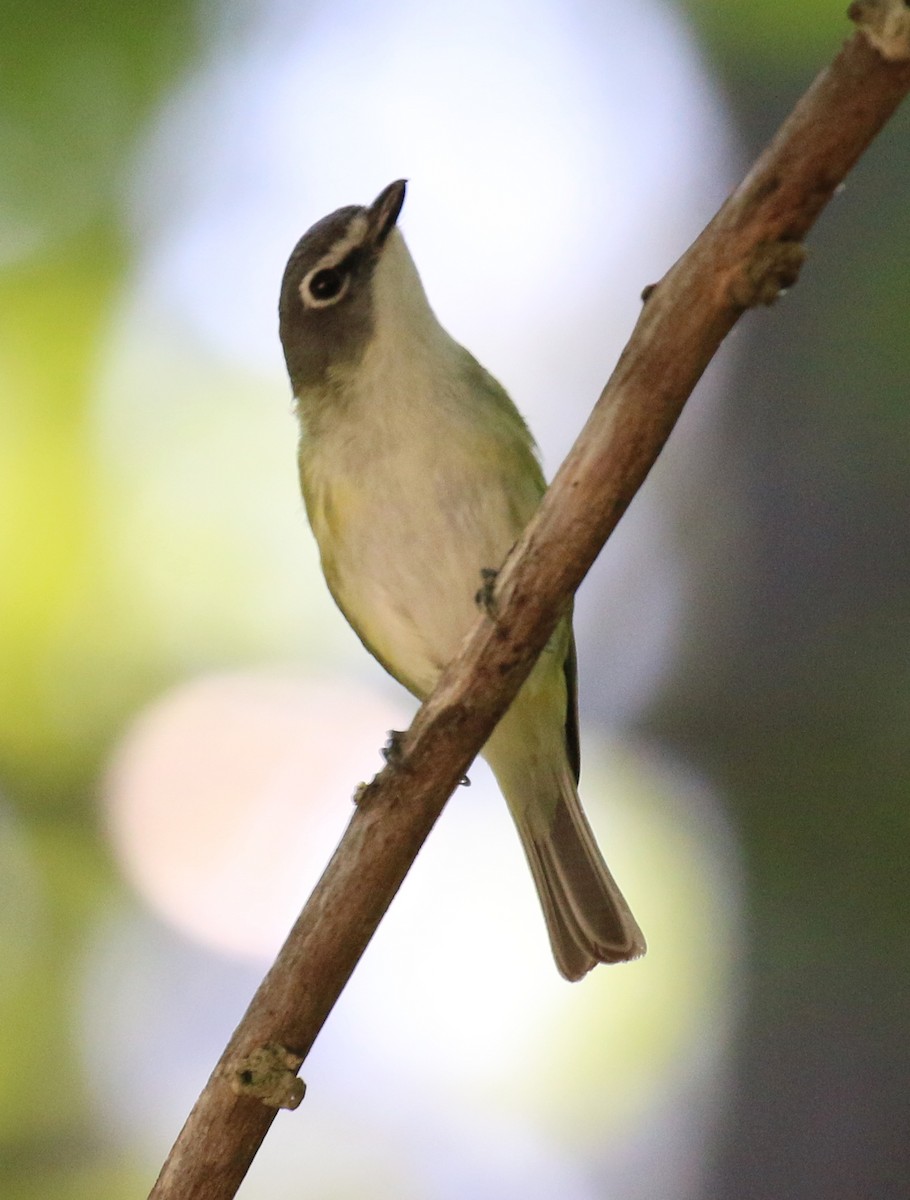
[[747, 254]]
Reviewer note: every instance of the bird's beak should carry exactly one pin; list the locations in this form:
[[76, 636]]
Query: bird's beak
[[383, 212]]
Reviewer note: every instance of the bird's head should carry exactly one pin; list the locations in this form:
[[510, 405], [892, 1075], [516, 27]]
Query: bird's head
[[339, 276]]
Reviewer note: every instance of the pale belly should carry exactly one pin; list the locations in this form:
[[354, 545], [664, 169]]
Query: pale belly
[[403, 556]]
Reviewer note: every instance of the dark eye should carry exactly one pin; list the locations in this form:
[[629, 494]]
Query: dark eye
[[326, 284]]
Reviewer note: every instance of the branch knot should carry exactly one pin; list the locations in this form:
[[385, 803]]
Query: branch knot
[[772, 268], [269, 1074], [886, 26]]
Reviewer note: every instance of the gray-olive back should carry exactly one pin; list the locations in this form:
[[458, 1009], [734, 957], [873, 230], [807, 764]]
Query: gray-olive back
[[317, 339]]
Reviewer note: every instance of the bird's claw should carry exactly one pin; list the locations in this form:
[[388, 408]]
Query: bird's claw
[[484, 597], [392, 751]]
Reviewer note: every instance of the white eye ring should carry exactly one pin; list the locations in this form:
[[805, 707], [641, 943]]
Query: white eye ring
[[333, 285]]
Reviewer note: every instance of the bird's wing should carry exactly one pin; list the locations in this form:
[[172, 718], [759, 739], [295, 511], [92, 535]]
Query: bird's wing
[[573, 745]]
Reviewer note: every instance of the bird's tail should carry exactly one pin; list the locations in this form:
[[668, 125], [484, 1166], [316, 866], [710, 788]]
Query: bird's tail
[[587, 916]]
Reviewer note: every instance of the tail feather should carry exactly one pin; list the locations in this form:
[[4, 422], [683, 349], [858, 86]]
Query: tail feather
[[534, 755], [587, 917]]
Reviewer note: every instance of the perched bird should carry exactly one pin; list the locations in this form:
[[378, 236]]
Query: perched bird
[[419, 474]]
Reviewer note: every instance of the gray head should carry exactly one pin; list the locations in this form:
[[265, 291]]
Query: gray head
[[326, 308]]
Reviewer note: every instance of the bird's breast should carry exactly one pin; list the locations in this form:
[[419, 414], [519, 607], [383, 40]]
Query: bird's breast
[[405, 521]]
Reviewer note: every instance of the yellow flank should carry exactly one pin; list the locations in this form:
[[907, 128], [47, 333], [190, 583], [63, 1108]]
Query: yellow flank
[[332, 508]]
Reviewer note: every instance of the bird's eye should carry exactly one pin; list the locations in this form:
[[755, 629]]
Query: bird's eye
[[327, 284]]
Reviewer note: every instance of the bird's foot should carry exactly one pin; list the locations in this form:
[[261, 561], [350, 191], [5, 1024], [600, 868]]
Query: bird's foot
[[484, 597], [392, 751]]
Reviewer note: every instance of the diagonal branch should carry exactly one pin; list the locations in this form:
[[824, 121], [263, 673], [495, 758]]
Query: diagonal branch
[[746, 255]]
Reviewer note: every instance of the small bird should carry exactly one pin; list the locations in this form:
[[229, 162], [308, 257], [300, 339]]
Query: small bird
[[418, 475]]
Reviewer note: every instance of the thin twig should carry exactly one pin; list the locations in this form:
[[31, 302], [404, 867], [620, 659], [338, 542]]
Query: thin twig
[[749, 252]]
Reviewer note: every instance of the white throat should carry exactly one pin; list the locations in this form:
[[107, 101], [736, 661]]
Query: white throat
[[401, 310]]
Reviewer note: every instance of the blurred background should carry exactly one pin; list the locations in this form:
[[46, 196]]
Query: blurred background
[[184, 715]]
